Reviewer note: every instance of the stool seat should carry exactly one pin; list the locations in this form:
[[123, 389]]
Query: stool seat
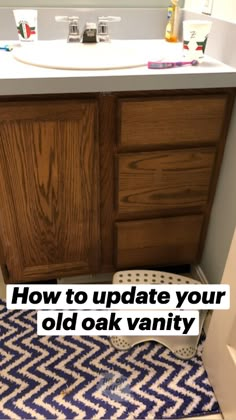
[[183, 347]]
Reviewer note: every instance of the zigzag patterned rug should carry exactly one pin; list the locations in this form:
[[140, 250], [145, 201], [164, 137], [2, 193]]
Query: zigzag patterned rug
[[85, 378]]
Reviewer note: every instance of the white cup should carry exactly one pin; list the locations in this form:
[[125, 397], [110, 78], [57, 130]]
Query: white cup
[[26, 23], [195, 35]]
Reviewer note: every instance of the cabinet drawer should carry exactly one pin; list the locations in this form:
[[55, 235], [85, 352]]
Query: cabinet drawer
[[168, 180], [171, 120], [164, 241]]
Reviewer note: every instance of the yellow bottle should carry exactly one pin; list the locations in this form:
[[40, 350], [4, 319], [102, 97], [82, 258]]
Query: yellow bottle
[[172, 27]]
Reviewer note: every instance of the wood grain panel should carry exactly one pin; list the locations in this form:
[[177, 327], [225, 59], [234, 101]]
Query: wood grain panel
[[107, 117], [50, 169], [171, 121], [164, 181], [164, 241], [43, 109]]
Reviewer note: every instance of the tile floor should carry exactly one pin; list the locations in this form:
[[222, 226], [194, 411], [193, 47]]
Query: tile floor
[[106, 279]]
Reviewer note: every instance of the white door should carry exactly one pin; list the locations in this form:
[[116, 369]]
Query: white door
[[219, 354]]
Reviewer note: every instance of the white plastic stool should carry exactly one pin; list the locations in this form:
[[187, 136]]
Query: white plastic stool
[[183, 347]]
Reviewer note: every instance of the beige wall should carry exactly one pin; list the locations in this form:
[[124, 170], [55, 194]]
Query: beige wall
[[87, 3], [221, 9]]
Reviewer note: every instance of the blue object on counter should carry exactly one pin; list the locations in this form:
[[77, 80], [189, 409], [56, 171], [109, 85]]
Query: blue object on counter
[[6, 48]]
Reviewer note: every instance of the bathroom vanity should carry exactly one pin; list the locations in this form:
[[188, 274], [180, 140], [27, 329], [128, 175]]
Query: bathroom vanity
[[96, 182], [108, 169]]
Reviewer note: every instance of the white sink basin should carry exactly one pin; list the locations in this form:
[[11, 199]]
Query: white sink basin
[[76, 56]]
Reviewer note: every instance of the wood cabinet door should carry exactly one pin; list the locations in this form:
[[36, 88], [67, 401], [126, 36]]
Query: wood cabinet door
[[49, 188]]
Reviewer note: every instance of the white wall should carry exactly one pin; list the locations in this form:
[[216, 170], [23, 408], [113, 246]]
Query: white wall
[[222, 9], [223, 215], [194, 5], [225, 9]]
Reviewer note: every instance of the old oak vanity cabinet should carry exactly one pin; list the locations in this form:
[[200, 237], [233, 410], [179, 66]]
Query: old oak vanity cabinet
[[94, 183], [49, 188]]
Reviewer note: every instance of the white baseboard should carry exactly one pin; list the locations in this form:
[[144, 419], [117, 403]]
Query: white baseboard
[[198, 273], [207, 321]]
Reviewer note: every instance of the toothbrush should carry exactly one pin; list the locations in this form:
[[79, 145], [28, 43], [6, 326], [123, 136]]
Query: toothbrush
[[6, 48], [168, 65]]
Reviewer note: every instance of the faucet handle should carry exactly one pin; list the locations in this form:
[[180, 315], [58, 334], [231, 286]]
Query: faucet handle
[[109, 19], [103, 21], [66, 18], [74, 35]]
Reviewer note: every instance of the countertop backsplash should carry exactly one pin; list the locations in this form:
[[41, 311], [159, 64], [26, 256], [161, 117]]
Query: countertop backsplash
[[135, 23]]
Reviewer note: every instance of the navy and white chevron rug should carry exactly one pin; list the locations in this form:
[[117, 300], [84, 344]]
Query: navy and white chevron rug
[[86, 378]]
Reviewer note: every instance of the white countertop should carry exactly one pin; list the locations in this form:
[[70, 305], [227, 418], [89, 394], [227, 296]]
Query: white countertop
[[17, 78]]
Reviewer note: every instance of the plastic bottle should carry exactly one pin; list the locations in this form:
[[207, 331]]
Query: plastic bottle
[[172, 27]]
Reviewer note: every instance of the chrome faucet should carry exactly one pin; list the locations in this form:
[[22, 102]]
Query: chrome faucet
[[103, 34], [74, 34], [102, 28]]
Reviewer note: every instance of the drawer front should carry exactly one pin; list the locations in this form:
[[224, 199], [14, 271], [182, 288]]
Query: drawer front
[[171, 121], [164, 241], [159, 181]]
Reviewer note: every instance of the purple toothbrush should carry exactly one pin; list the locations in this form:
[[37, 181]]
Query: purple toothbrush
[[165, 65]]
